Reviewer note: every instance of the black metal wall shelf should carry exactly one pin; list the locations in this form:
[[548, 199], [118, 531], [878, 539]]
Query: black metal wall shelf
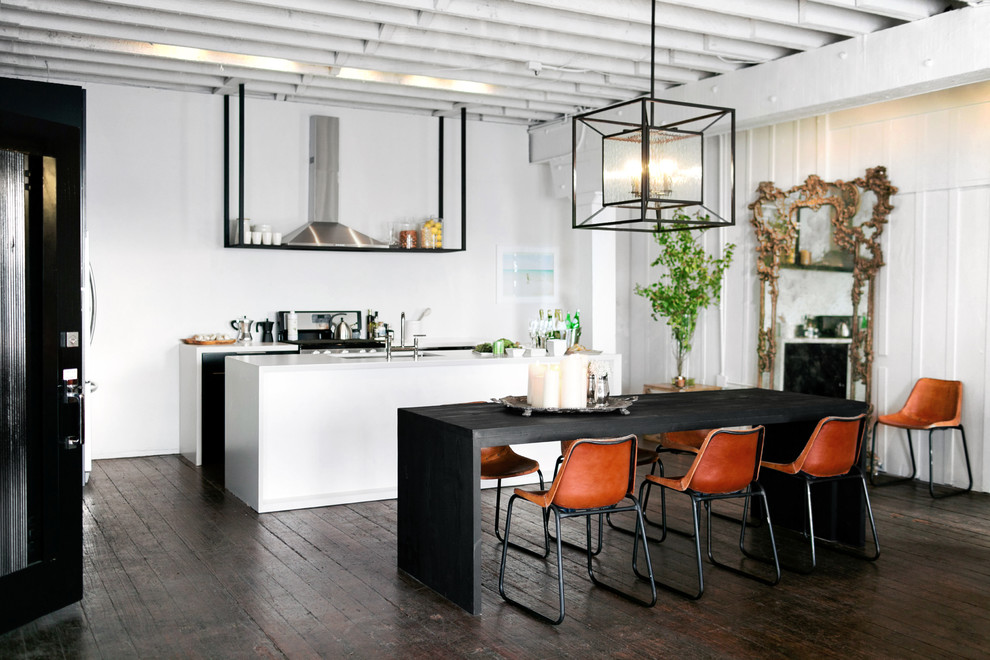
[[239, 220], [324, 248]]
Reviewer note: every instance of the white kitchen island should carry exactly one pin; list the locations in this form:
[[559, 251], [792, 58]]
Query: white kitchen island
[[316, 430]]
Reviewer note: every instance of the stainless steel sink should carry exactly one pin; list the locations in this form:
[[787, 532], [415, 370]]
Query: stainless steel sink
[[396, 355]]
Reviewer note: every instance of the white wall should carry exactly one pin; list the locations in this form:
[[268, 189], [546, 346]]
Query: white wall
[[153, 212], [934, 294]]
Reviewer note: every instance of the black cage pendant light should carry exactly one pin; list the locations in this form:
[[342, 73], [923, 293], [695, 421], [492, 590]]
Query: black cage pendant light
[[648, 158]]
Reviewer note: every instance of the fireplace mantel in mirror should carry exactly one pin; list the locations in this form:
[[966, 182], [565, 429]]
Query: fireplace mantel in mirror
[[818, 255]]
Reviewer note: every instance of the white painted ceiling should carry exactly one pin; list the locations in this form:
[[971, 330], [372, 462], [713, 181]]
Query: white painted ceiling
[[524, 61]]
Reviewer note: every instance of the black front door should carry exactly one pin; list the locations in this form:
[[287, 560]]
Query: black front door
[[40, 351]]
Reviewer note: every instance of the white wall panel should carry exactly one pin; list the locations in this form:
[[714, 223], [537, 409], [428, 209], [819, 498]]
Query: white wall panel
[[970, 136], [933, 255], [970, 241]]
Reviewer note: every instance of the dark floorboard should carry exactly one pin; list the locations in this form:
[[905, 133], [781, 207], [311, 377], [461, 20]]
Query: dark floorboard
[[176, 567]]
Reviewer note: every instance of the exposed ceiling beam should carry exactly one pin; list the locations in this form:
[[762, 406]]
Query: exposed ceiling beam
[[510, 59]]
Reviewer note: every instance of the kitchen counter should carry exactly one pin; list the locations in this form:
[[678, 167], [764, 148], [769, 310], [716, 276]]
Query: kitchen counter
[[191, 389], [315, 430]]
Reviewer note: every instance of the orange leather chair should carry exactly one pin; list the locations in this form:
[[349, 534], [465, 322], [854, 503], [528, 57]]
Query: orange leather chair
[[595, 477], [643, 457], [726, 466], [676, 442], [932, 405], [503, 463], [683, 441], [832, 454]]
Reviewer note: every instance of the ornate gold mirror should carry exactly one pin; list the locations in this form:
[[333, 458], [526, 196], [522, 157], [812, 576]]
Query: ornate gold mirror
[[818, 257]]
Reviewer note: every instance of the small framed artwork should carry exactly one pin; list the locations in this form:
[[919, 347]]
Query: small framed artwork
[[526, 274]]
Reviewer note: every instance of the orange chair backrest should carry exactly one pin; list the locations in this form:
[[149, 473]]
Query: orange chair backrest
[[934, 400], [492, 453], [727, 462], [834, 446], [595, 473]]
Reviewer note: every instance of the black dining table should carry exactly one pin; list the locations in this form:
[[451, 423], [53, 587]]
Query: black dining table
[[439, 468]]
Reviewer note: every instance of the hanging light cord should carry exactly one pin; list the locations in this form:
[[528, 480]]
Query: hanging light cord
[[653, 44]]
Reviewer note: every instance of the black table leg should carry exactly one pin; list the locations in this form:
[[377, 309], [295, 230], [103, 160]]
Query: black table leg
[[439, 509]]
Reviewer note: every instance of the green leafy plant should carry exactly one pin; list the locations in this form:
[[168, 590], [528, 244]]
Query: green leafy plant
[[691, 282]]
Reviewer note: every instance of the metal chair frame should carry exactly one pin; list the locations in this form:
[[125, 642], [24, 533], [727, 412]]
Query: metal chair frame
[[752, 490], [855, 473], [561, 513], [498, 504], [663, 503], [608, 516], [707, 499], [914, 465]]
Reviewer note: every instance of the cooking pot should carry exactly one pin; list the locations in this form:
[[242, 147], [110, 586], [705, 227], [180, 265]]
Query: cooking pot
[[243, 327]]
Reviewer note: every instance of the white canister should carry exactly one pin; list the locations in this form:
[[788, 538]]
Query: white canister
[[291, 326], [556, 347]]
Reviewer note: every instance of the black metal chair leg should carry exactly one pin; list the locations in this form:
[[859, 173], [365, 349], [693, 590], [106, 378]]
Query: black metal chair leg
[[576, 546], [640, 533], [810, 523], [873, 524], [631, 532], [645, 502], [742, 536], [896, 480], [560, 572], [498, 512], [697, 548], [775, 560], [969, 471]]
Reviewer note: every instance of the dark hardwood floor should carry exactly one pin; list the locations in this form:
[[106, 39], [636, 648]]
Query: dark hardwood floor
[[176, 567]]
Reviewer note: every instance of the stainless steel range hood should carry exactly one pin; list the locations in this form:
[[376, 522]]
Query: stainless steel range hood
[[323, 227]]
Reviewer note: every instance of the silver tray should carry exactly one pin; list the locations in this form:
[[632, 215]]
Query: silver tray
[[612, 404]]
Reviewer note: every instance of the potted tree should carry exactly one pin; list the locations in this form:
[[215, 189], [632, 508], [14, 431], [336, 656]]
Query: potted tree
[[691, 282]]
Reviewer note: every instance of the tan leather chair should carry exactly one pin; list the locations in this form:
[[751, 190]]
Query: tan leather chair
[[595, 477], [683, 441], [831, 454], [503, 463], [932, 405], [726, 466], [644, 456]]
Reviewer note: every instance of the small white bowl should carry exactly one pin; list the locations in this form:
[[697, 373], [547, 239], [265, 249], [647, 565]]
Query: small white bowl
[[536, 352], [516, 352]]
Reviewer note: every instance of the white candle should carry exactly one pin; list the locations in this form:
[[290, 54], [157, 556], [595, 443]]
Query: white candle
[[534, 393], [551, 387], [573, 382]]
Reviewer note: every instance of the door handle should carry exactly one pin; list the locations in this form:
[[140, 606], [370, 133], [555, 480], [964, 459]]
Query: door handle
[[72, 391]]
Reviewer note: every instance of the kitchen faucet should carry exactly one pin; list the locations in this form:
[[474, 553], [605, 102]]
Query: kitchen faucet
[[402, 329]]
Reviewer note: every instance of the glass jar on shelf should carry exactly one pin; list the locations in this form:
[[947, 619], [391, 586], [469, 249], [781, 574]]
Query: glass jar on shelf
[[405, 235], [431, 234]]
